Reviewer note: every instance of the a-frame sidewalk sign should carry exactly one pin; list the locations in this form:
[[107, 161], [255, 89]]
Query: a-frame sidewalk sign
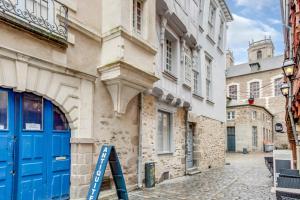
[[108, 154]]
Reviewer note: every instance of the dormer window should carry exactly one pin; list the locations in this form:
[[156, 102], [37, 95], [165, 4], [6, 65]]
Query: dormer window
[[254, 66]]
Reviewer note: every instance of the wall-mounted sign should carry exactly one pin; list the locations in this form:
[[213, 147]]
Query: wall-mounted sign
[[108, 154], [279, 127]]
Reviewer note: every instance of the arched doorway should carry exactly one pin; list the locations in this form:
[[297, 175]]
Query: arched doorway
[[34, 148]]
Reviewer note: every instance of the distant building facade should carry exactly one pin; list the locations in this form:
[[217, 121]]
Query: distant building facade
[[259, 79]]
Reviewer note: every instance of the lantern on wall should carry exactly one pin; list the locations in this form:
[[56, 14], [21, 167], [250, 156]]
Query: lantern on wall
[[285, 89], [288, 68]]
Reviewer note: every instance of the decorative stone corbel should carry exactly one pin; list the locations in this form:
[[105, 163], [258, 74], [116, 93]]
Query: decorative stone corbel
[[124, 82]]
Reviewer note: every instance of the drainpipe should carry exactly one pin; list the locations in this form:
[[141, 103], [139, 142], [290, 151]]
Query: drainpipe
[[293, 123], [140, 145], [186, 134]]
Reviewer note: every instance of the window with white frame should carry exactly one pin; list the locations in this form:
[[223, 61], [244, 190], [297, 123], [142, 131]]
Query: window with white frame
[[197, 74], [277, 85], [231, 115], [201, 11], [208, 65], [170, 50], [221, 34], [168, 55], [233, 92], [188, 67], [211, 19], [254, 136], [39, 8], [254, 114], [164, 132], [137, 19], [254, 89]]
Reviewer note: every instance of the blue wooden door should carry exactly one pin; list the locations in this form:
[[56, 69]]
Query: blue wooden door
[[231, 139], [6, 144], [37, 157]]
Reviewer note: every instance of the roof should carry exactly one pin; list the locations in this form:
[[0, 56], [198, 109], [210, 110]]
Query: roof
[[265, 65], [226, 10], [248, 105]]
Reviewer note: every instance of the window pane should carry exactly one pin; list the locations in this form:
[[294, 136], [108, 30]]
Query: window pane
[[3, 110], [60, 122], [166, 132], [160, 132], [254, 89], [32, 112]]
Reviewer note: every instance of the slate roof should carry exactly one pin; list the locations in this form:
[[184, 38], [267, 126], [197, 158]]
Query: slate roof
[[265, 65]]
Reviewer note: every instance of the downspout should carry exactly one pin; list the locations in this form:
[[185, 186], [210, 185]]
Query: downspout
[[186, 134], [140, 145]]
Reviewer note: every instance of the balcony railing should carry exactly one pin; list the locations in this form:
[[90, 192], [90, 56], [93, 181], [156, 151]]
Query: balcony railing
[[48, 15]]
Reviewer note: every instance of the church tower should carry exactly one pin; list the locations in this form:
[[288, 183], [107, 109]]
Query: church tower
[[260, 49]]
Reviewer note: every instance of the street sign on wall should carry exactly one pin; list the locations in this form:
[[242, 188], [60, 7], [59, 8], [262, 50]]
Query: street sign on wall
[[279, 127], [108, 154]]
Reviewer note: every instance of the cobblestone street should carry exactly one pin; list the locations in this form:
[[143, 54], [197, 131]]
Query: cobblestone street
[[245, 178]]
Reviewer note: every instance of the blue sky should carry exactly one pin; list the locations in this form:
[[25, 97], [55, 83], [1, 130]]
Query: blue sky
[[253, 20]]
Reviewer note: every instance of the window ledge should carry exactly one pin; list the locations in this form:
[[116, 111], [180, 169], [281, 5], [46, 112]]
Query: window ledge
[[165, 153], [209, 38], [169, 76], [187, 86], [220, 50], [210, 102], [198, 96], [201, 29]]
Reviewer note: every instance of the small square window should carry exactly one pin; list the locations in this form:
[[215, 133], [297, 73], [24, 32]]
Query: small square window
[[32, 112], [231, 115]]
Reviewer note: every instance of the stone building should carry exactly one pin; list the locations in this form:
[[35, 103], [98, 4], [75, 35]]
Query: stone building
[[249, 127], [77, 75], [261, 79]]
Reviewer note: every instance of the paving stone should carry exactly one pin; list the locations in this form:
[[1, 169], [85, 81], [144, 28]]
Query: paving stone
[[246, 178]]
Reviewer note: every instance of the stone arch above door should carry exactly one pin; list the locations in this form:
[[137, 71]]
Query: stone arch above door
[[23, 73]]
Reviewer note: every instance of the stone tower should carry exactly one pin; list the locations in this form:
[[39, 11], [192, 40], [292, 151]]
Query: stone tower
[[260, 49], [229, 58]]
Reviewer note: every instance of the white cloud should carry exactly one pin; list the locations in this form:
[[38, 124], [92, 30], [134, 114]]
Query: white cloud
[[274, 21], [242, 30], [254, 4]]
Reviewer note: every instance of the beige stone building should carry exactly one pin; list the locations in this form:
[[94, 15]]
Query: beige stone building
[[142, 75], [261, 79], [249, 127]]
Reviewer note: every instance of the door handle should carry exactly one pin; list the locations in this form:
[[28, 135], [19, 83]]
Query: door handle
[[12, 172]]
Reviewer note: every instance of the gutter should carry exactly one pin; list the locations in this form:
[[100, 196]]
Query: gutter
[[185, 141]]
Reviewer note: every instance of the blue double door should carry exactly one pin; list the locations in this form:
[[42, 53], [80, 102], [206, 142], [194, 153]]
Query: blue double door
[[34, 148]]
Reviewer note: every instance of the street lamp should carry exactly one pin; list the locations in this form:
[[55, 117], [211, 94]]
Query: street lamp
[[288, 68], [285, 89]]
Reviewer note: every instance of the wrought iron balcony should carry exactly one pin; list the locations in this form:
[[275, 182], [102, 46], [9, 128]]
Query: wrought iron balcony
[[49, 16]]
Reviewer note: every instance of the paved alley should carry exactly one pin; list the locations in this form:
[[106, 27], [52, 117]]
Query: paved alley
[[245, 178]]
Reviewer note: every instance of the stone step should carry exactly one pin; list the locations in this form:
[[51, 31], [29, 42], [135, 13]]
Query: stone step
[[193, 171]]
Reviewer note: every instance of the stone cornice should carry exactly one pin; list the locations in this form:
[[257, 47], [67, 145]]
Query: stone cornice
[[44, 64]]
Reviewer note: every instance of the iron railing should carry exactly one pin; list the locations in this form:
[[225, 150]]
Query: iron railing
[[48, 15]]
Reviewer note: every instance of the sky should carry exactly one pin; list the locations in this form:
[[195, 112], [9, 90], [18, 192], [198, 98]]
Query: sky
[[253, 20]]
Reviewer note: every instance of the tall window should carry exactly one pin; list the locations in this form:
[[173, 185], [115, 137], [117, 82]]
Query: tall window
[[254, 89], [231, 115], [168, 55], [201, 11], [277, 85], [187, 67], [259, 55], [221, 33], [254, 136], [208, 63], [254, 115], [37, 7], [196, 74], [3, 110], [211, 19], [233, 92], [164, 132], [137, 15]]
